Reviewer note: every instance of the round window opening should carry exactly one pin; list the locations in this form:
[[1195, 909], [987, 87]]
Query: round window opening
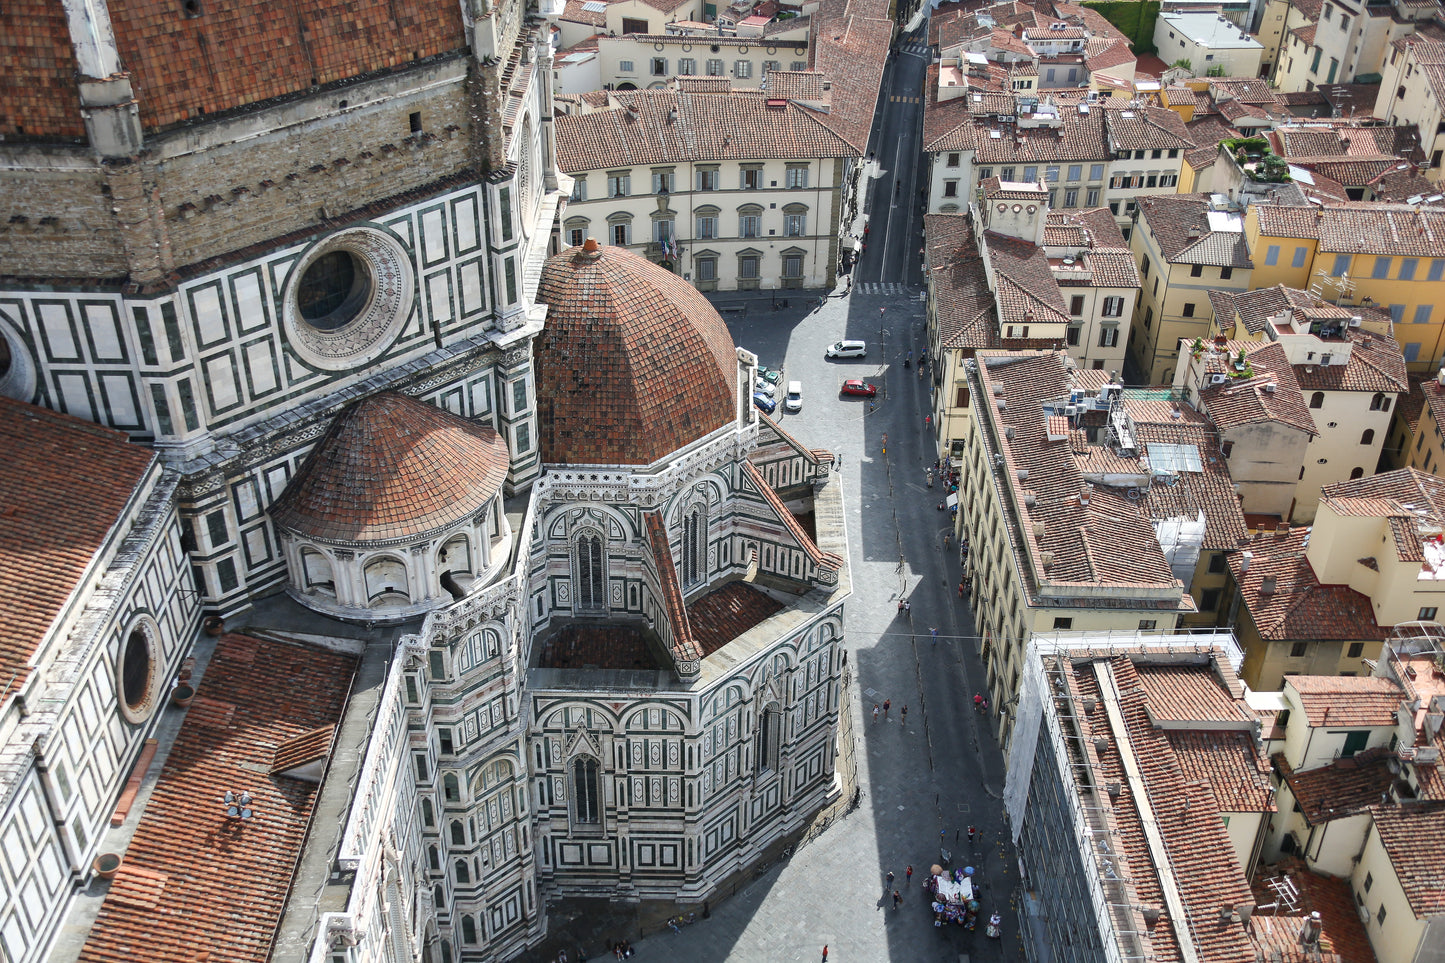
[[135, 672], [334, 290]]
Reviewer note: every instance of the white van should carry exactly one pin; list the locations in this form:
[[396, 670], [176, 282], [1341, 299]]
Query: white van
[[848, 349], [794, 401]]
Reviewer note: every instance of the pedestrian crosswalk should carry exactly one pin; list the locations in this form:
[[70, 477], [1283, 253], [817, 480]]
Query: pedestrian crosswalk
[[915, 48], [900, 99], [880, 287]]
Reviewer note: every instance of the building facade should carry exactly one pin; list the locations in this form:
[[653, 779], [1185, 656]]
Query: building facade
[[731, 189]]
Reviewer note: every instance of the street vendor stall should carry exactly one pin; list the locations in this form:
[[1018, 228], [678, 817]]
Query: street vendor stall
[[953, 899]]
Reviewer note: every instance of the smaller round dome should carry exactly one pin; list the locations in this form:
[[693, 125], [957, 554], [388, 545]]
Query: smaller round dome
[[391, 468], [633, 364]]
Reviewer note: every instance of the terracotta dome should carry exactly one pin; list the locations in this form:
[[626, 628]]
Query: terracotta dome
[[634, 363], [392, 468]]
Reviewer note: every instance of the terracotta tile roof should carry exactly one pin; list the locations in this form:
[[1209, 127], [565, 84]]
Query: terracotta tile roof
[[1306, 34], [1352, 173], [1108, 540], [797, 85], [1342, 937], [1102, 53], [1369, 228], [1278, 220], [600, 646], [1024, 287], [1343, 788], [850, 45], [1079, 138], [1181, 227], [576, 11], [165, 903], [727, 612], [1182, 693], [300, 750], [270, 51], [1408, 407], [1226, 765], [634, 363], [994, 188], [1250, 400], [39, 96], [392, 467], [947, 124], [1401, 186], [1145, 128], [1210, 490], [1321, 188], [1253, 308], [1299, 607], [54, 518], [958, 283], [1406, 496], [1414, 837], [1376, 364], [1248, 90], [666, 127], [1205, 871]]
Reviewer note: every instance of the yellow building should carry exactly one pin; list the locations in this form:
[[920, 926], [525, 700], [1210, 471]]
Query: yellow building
[[1360, 791], [1311, 600], [1186, 246], [1350, 377], [1390, 256], [1425, 447], [1414, 64], [1050, 550]]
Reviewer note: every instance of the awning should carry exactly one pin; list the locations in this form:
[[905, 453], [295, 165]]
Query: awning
[[952, 500]]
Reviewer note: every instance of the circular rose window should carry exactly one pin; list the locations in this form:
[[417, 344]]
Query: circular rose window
[[348, 299], [1032, 209]]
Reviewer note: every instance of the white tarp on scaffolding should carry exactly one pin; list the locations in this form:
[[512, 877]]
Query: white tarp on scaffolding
[[1182, 539]]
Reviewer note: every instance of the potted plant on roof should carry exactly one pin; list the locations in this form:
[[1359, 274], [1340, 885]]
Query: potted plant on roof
[[106, 865], [1197, 348], [213, 625]]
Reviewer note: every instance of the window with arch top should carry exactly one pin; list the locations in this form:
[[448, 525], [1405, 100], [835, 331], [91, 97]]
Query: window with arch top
[[770, 728], [1317, 400], [694, 546], [590, 578], [586, 790]]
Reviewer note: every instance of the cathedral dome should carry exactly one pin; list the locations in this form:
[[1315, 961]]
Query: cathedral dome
[[391, 468], [634, 363]]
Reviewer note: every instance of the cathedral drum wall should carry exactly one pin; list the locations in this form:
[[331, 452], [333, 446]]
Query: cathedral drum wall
[[244, 181], [55, 217]]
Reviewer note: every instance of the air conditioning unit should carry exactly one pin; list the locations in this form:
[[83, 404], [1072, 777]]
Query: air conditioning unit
[[1218, 378], [1356, 321], [1071, 411]]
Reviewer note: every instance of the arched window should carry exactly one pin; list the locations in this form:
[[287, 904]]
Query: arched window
[[619, 229], [577, 228], [795, 220], [586, 791], [428, 814], [433, 859], [463, 874], [770, 727], [1357, 473], [439, 895], [469, 930], [1368, 436], [1317, 400], [316, 573], [589, 579], [750, 220], [694, 546], [450, 789], [459, 833], [386, 580], [1380, 402]]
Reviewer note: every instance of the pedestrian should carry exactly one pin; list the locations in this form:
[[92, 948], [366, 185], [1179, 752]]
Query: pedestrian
[[875, 712], [960, 588], [928, 421], [890, 879], [839, 459], [897, 899], [945, 539], [977, 700], [972, 833], [825, 953], [930, 478], [887, 704], [903, 716], [934, 633], [908, 876]]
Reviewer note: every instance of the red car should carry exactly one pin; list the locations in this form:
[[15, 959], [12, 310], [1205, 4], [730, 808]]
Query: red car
[[853, 386]]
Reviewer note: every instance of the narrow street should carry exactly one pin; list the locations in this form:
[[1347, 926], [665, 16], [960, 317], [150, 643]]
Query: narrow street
[[894, 204]]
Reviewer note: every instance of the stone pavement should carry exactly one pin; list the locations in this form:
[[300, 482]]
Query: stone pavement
[[943, 771]]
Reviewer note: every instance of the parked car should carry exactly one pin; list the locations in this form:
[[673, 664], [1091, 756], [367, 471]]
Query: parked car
[[863, 389], [764, 404], [794, 401], [848, 349], [771, 375], [762, 387]]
